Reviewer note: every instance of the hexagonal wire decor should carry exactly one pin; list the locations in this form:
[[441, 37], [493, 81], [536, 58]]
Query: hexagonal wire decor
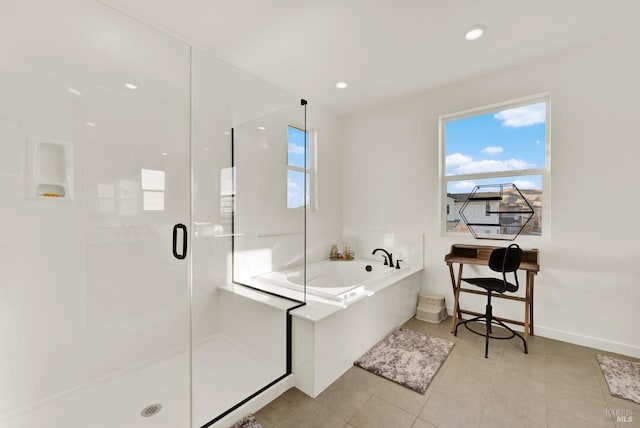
[[496, 211]]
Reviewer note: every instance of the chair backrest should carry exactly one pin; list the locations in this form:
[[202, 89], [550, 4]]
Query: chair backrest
[[506, 259]]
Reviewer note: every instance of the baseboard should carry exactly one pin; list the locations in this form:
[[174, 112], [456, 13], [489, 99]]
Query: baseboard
[[582, 340], [589, 341]]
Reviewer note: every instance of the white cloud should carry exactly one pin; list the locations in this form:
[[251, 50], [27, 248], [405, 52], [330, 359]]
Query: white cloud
[[295, 149], [294, 193], [292, 186], [475, 167], [458, 159], [463, 186], [492, 150], [463, 164], [522, 116], [525, 184]]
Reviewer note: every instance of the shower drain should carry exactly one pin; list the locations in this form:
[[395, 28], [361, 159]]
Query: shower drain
[[151, 410]]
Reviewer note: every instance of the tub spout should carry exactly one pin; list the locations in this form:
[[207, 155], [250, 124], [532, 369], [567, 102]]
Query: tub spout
[[388, 256]]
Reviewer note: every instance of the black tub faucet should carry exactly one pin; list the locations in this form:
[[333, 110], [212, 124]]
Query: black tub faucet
[[388, 259]]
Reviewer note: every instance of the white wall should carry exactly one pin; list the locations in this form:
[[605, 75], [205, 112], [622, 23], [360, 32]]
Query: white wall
[[586, 291], [324, 222]]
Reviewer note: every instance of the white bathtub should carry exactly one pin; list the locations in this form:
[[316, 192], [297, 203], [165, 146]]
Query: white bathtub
[[348, 309], [341, 281], [327, 338]]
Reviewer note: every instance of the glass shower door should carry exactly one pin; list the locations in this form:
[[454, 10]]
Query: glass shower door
[[239, 334], [94, 164]]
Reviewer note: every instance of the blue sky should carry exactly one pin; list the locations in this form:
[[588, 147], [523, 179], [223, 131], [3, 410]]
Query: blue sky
[[296, 157], [295, 152], [506, 140]]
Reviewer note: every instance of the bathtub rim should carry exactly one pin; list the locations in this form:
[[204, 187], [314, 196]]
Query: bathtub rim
[[318, 308], [315, 311], [280, 279]]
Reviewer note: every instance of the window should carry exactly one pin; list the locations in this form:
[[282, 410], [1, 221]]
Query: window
[[299, 167], [499, 144], [227, 191], [152, 182]]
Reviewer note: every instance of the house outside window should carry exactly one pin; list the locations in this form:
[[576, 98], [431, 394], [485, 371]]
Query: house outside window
[[497, 144]]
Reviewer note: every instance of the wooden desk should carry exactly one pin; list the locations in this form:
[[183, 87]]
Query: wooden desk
[[479, 255]]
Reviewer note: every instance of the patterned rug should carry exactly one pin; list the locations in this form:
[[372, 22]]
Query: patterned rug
[[248, 422], [407, 357], [622, 376]]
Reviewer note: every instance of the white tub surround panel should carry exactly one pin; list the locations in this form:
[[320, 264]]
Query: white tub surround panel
[[408, 247], [327, 341]]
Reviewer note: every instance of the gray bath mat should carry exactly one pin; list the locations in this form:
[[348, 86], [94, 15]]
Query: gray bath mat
[[248, 422], [407, 357], [622, 376]]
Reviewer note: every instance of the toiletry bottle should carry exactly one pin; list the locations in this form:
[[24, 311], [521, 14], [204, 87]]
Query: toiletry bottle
[[346, 251]]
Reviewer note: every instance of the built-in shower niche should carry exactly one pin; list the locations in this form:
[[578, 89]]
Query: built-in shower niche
[[50, 169]]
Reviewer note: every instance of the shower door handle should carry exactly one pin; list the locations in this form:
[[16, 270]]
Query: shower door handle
[[177, 255]]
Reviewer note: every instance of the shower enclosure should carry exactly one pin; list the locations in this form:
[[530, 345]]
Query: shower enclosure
[[123, 205]]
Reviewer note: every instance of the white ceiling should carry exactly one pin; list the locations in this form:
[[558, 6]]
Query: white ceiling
[[384, 49]]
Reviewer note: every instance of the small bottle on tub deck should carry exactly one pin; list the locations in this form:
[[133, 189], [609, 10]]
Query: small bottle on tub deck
[[348, 255], [334, 252]]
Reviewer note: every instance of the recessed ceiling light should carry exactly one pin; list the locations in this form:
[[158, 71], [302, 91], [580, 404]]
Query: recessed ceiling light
[[91, 124], [262, 128], [475, 32], [341, 85], [131, 86], [165, 154]]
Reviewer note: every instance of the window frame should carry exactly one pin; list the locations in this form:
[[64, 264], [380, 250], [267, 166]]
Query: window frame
[[544, 172], [311, 169]]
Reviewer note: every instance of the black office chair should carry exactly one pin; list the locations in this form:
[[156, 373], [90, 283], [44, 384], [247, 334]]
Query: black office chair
[[503, 260]]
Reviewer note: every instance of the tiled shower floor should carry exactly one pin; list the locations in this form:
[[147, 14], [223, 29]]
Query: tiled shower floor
[[224, 374]]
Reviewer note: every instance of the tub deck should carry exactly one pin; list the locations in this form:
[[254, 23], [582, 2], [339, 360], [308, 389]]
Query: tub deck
[[322, 299]]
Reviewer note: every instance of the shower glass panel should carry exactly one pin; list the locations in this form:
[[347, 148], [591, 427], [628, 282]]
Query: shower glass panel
[[239, 334], [270, 160], [94, 164]]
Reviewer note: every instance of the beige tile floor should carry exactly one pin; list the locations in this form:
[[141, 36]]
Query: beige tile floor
[[556, 385]]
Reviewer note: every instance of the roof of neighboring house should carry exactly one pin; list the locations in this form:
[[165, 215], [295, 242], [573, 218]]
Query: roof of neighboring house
[[510, 196]]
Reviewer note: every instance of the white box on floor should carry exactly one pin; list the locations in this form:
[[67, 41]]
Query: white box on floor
[[431, 308], [428, 314], [434, 300]]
